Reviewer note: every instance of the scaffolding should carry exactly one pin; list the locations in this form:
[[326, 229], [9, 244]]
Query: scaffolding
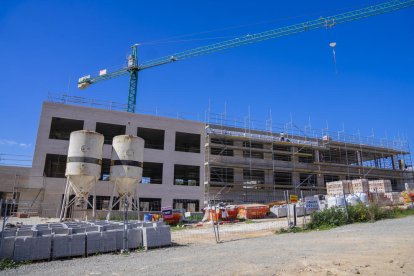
[[250, 161]]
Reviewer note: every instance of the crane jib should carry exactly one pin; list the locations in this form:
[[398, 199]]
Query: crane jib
[[322, 22]]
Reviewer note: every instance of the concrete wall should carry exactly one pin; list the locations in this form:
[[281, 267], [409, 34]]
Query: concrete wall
[[13, 177]]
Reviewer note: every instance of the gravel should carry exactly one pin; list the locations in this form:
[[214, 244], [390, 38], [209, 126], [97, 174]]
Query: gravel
[[381, 248]]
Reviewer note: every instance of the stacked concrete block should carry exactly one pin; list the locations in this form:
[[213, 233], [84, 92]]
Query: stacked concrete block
[[156, 236], [360, 186], [135, 238], [41, 247], [78, 244], [109, 241], [94, 243], [279, 211], [22, 248], [119, 238], [339, 187], [300, 210], [7, 246], [61, 246], [380, 186], [63, 240]]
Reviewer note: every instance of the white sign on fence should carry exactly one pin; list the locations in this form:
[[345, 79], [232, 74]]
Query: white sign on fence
[[312, 204]]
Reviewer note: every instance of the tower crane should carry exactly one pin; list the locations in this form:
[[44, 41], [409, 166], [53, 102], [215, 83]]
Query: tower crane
[[133, 67]]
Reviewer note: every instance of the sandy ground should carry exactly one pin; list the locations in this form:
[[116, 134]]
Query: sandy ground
[[230, 231], [381, 248]]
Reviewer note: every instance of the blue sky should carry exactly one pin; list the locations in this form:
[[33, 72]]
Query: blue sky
[[45, 46]]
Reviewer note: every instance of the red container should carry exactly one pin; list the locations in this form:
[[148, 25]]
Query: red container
[[175, 219], [232, 212], [252, 211]]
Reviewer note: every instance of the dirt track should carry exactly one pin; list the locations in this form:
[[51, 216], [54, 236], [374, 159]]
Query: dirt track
[[381, 248]]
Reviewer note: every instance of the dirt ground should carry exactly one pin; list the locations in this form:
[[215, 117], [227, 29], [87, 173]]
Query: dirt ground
[[381, 248]]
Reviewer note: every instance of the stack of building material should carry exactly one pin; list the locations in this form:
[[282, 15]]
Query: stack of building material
[[380, 186], [339, 187], [62, 240], [394, 197], [279, 211], [360, 186]]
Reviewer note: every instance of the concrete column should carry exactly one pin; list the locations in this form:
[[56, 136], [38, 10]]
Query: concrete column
[[169, 140], [130, 129], [269, 177], [168, 174], [295, 157], [320, 180], [295, 179], [267, 155], [238, 175], [89, 125], [238, 152], [316, 153]]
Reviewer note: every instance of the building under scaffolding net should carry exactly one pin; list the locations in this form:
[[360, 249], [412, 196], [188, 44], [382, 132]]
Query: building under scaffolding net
[[250, 162]]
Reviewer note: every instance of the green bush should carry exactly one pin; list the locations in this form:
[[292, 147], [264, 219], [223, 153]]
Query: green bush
[[336, 216], [359, 213], [327, 218]]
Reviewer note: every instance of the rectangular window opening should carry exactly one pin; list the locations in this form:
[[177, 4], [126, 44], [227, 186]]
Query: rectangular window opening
[[109, 131], [187, 142], [61, 128], [152, 173], [186, 175], [154, 138], [55, 165]]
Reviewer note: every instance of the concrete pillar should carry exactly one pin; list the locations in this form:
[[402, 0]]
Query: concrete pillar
[[169, 140], [268, 177], [238, 152], [130, 129], [238, 175], [316, 153], [295, 179], [267, 155], [320, 180], [295, 157], [89, 125]]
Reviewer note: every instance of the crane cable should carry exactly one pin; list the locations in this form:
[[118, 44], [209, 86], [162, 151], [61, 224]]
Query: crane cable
[[175, 39]]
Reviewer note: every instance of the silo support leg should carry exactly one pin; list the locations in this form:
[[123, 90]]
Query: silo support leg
[[111, 203]]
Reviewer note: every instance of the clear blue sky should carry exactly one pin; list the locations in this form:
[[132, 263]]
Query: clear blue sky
[[45, 46]]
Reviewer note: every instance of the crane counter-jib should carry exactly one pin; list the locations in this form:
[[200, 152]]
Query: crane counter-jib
[[322, 22]]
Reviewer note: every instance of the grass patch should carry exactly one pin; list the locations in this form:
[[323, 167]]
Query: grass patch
[[177, 227], [10, 264], [294, 229], [336, 216]]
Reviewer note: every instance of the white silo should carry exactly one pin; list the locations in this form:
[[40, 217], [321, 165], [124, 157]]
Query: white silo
[[83, 167], [126, 167]]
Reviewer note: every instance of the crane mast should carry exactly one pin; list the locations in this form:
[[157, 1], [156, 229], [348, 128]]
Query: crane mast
[[133, 67]]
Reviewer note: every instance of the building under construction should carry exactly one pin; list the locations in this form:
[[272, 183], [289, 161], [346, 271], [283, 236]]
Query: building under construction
[[189, 163], [250, 164]]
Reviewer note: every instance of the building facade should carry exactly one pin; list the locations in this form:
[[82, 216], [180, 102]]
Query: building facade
[[188, 164], [173, 156]]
